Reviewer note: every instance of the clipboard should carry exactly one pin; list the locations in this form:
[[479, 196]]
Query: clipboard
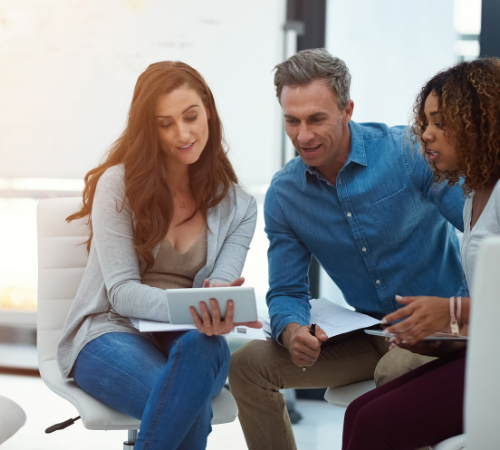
[[433, 337]]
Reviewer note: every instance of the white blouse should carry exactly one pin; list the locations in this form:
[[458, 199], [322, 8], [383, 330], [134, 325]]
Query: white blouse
[[487, 225]]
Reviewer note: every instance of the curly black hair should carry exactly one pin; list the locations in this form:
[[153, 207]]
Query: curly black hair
[[469, 102]]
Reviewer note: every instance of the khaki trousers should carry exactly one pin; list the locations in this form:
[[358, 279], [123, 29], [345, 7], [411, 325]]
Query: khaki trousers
[[259, 369]]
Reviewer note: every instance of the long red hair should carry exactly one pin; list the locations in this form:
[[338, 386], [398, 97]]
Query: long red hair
[[146, 188]]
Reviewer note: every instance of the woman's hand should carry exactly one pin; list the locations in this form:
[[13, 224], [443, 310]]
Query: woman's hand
[[424, 316], [214, 326]]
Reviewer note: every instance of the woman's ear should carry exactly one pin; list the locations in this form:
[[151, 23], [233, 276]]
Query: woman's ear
[[207, 112]]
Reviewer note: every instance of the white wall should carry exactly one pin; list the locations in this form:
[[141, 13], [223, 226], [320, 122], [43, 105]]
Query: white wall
[[67, 74], [392, 48], [68, 69]]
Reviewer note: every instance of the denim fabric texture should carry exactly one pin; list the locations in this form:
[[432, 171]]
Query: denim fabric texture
[[168, 387], [385, 229]]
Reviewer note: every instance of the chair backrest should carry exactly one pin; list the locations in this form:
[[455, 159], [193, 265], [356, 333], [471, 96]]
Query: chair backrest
[[61, 264], [482, 392]]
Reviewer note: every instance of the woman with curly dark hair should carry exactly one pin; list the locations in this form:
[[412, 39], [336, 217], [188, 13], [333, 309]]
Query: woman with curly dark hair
[[457, 119]]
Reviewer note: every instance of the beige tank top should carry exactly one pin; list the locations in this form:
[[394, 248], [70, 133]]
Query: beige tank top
[[174, 270]]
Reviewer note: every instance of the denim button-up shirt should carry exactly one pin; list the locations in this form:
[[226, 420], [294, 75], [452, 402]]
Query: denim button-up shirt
[[384, 229]]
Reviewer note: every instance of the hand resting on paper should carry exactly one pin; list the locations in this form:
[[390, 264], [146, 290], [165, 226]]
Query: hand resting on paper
[[304, 348], [214, 325]]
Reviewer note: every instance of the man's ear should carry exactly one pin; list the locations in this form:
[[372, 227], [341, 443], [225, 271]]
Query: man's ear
[[348, 110]]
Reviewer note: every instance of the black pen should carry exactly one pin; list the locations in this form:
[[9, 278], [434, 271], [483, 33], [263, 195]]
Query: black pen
[[312, 330]]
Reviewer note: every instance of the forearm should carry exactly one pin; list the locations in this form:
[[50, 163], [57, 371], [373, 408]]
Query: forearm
[[287, 310], [133, 299], [465, 311]]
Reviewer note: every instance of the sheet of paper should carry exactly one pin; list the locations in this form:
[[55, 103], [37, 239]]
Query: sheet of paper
[[335, 319], [332, 318], [149, 326], [267, 328]]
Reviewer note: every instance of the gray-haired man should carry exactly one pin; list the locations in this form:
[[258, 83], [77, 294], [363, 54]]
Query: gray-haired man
[[366, 207]]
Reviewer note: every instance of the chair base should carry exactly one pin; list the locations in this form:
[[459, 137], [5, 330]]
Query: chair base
[[130, 443]]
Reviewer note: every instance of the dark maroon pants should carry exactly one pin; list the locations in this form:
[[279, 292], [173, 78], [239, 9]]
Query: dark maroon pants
[[420, 408]]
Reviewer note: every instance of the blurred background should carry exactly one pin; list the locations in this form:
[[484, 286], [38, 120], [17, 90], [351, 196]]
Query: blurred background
[[68, 70]]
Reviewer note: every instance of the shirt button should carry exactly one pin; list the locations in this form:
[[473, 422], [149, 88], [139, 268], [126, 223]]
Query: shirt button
[[378, 281], [364, 249], [338, 180], [349, 214]]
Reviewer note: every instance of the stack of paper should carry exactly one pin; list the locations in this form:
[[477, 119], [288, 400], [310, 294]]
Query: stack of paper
[[149, 326]]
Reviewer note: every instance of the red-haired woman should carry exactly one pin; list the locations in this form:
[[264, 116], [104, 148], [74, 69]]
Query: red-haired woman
[[165, 211], [457, 118]]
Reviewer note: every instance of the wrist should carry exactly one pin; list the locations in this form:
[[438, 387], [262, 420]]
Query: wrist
[[288, 332]]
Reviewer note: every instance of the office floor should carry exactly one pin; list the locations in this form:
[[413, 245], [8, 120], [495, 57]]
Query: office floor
[[321, 426]]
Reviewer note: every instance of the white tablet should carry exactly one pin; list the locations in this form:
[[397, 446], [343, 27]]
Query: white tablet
[[432, 337], [179, 301]]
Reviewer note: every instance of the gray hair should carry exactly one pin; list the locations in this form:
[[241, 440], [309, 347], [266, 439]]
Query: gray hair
[[314, 64]]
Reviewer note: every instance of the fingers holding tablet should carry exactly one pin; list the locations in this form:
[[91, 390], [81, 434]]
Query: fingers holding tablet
[[213, 325], [243, 307]]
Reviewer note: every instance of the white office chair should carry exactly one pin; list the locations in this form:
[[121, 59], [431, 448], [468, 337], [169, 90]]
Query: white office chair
[[343, 395], [482, 395], [61, 264], [12, 418]]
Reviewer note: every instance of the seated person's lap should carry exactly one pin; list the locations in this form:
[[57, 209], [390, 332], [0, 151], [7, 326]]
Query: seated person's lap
[[268, 362], [120, 369]]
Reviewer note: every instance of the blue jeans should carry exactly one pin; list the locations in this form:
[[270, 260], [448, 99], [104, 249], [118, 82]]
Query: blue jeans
[[168, 387]]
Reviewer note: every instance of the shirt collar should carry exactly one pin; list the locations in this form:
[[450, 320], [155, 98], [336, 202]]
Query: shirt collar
[[356, 155]]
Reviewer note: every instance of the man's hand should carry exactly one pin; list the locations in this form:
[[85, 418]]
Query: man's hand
[[303, 347]]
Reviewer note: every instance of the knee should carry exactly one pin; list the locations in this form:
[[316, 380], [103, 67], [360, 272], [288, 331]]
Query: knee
[[247, 364], [204, 346], [397, 362], [370, 429]]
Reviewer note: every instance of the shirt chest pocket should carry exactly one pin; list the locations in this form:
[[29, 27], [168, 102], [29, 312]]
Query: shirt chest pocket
[[395, 216]]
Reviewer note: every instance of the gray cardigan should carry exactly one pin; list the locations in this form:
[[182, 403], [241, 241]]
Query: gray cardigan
[[111, 289]]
